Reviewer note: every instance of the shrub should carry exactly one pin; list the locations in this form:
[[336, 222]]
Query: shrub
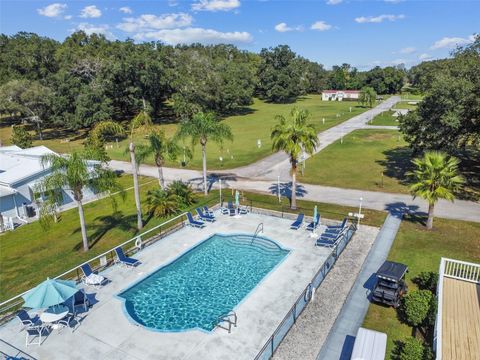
[[161, 203], [427, 280], [416, 306], [21, 137], [183, 191], [413, 349]]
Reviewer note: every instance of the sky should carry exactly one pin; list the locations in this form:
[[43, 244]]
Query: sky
[[362, 33]]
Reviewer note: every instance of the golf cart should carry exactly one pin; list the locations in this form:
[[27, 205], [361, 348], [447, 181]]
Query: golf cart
[[390, 286]]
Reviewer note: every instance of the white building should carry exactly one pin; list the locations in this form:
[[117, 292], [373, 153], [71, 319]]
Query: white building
[[340, 95], [20, 172]]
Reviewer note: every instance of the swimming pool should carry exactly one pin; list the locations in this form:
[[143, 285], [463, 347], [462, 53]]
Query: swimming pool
[[205, 282]]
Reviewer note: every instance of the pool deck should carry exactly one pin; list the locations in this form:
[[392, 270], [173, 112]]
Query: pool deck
[[106, 333]]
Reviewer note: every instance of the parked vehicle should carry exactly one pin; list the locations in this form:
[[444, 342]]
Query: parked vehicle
[[390, 286]]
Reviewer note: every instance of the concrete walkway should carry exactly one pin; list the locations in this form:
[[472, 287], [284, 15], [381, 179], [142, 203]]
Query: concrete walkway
[[339, 343]]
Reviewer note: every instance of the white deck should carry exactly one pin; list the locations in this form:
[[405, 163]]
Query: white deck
[[106, 333]]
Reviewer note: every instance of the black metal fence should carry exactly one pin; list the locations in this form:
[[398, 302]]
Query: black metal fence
[[296, 310]]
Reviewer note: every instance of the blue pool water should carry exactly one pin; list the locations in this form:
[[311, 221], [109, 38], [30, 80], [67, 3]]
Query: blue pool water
[[202, 284]]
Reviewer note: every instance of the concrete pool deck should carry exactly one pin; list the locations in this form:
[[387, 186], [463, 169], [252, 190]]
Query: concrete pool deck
[[106, 333]]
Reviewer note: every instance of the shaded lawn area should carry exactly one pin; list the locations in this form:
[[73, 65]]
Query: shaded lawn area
[[248, 125], [405, 105], [29, 254], [421, 250], [360, 161], [412, 97], [385, 119]]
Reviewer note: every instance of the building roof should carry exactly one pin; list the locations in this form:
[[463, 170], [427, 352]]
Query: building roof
[[458, 317], [341, 91], [18, 164]]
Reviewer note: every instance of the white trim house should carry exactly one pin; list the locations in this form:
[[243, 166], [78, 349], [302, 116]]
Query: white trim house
[[340, 95], [20, 171]]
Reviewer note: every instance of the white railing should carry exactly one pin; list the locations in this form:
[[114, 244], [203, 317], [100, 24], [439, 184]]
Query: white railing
[[16, 300], [461, 270]]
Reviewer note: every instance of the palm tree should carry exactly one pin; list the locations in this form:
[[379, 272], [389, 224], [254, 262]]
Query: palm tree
[[161, 202], [435, 177], [74, 173], [183, 191], [201, 128], [141, 120], [161, 148], [294, 135]]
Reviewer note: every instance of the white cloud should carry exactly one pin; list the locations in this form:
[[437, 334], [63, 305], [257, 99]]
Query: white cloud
[[283, 27], [172, 3], [215, 5], [399, 61], [96, 29], [125, 10], [90, 11], [424, 56], [193, 35], [53, 10], [378, 19], [320, 26], [148, 22], [451, 42], [67, 17], [334, 2], [408, 50]]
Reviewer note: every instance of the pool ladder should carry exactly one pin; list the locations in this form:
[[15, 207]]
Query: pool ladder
[[257, 231], [226, 321]]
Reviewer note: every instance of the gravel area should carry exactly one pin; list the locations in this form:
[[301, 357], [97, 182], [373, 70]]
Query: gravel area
[[306, 337]]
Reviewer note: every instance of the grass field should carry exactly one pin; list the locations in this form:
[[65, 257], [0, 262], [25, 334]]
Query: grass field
[[360, 161], [255, 123], [421, 250], [384, 119], [412, 97], [405, 105], [29, 254]]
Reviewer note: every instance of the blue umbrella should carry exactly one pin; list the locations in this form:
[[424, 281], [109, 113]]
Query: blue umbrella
[[315, 212], [237, 198], [50, 292]]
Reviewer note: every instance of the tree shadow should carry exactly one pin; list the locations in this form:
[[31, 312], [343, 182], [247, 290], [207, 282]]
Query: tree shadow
[[470, 169], [400, 210], [286, 190], [244, 110], [397, 163], [103, 224]]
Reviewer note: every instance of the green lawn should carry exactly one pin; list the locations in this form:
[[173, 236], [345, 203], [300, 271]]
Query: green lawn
[[411, 97], [405, 105], [255, 122], [29, 254], [360, 161], [421, 250], [384, 119]]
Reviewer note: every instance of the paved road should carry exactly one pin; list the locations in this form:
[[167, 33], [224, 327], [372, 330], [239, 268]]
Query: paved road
[[262, 176]]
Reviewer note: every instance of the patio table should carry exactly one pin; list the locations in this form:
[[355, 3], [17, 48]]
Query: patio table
[[54, 314]]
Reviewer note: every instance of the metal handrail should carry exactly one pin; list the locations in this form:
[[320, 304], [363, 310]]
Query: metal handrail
[[258, 230], [227, 318]]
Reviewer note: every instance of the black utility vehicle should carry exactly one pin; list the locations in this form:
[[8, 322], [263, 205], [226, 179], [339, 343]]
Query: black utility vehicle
[[390, 286]]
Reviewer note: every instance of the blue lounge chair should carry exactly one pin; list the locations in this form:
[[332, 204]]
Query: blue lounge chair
[[208, 211], [90, 278], [341, 226], [204, 217], [297, 223], [124, 259], [231, 210], [314, 223], [194, 223], [326, 241], [79, 300], [27, 320]]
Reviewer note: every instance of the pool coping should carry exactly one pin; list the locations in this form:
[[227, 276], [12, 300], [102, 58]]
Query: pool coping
[[136, 323]]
